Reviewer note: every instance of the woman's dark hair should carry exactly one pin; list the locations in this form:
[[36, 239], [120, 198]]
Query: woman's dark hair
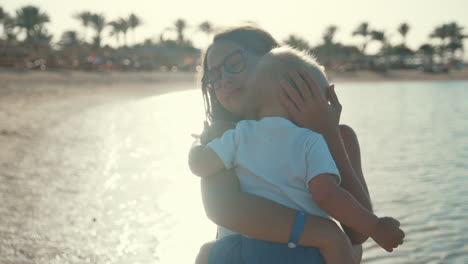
[[252, 39]]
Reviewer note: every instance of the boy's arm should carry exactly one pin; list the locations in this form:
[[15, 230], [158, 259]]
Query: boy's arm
[[261, 218], [342, 206], [206, 159], [203, 161]]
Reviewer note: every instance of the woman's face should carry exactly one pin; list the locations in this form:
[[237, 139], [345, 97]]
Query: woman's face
[[229, 67]]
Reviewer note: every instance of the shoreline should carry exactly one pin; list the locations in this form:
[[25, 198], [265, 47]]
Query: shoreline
[[90, 79], [14, 79], [397, 76]]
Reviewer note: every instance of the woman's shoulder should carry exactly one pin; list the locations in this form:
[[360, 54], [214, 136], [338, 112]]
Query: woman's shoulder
[[347, 131], [349, 137]]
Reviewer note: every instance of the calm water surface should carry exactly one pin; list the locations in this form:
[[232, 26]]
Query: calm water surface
[[414, 140]]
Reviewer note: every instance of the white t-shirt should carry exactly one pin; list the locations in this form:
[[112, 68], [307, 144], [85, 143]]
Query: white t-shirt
[[275, 159]]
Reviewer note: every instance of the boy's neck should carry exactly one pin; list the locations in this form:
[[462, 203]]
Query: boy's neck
[[268, 111]]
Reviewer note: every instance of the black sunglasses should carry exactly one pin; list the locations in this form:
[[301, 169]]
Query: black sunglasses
[[235, 62]]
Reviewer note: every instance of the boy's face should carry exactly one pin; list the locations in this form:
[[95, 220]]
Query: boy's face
[[254, 88], [263, 87]]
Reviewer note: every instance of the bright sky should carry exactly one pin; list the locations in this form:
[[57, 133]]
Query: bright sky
[[306, 18]]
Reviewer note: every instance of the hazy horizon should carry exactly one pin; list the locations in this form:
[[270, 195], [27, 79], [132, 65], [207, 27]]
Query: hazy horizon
[[303, 18]]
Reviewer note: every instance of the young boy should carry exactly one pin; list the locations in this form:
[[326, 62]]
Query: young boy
[[275, 159]]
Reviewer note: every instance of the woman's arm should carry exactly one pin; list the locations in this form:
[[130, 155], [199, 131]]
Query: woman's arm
[[351, 145], [350, 180], [263, 219]]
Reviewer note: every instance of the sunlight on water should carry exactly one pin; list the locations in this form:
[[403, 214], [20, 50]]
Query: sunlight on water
[[170, 120]]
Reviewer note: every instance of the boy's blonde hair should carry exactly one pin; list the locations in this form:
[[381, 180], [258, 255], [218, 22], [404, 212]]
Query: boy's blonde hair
[[274, 66]]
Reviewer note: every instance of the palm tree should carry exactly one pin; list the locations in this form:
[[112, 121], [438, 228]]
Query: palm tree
[[297, 42], [456, 37], [206, 27], [380, 36], [9, 25], [85, 19], [180, 25], [124, 26], [363, 31], [454, 30], [98, 23], [451, 39], [134, 22], [454, 46], [31, 19], [329, 34], [442, 33], [428, 52], [328, 44], [41, 42], [116, 29], [3, 15], [403, 30], [119, 26], [70, 43], [70, 38]]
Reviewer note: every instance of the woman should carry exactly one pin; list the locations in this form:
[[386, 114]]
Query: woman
[[227, 64]]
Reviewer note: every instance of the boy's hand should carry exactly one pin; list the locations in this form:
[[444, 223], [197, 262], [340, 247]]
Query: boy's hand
[[388, 234], [215, 130]]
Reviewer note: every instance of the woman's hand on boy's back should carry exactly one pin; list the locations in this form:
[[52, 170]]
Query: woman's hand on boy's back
[[307, 106]]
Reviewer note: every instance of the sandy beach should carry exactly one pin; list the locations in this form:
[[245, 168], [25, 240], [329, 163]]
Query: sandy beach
[[35, 193]]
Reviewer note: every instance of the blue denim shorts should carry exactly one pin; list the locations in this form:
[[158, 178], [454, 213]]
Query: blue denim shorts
[[238, 249]]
